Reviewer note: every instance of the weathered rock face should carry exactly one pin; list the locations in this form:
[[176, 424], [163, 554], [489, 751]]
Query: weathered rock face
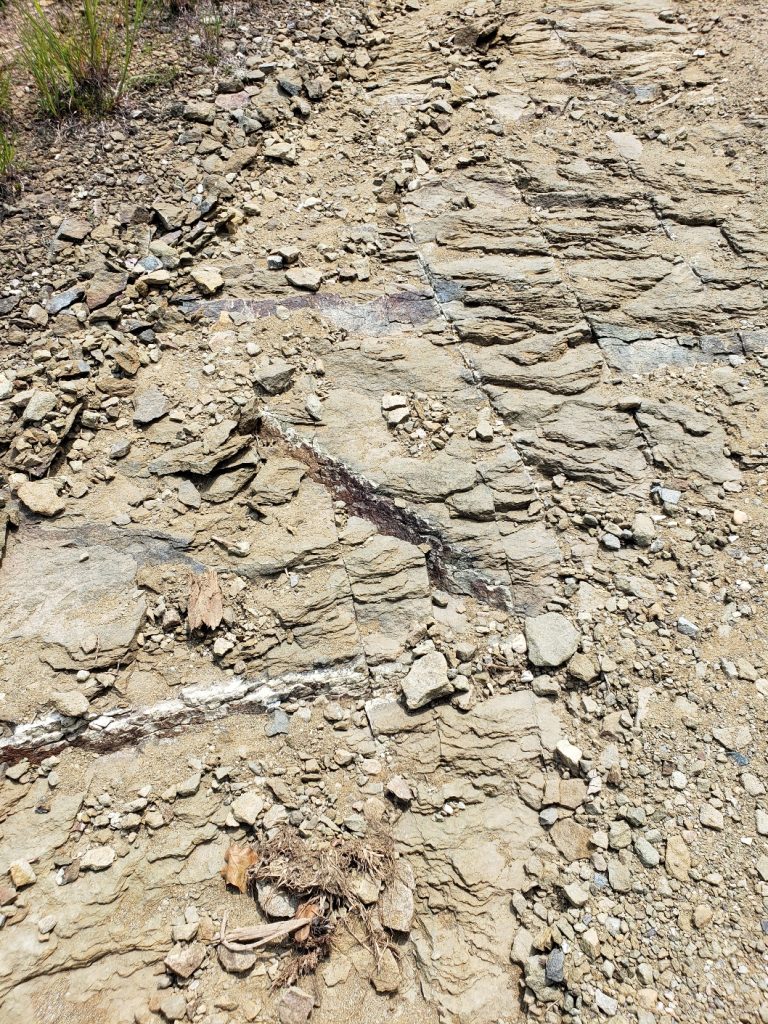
[[76, 606], [383, 442], [469, 865]]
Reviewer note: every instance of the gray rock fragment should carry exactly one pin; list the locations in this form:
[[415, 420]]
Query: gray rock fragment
[[552, 639]]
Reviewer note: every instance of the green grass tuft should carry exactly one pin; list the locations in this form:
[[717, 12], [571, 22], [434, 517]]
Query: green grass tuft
[[7, 154], [79, 57]]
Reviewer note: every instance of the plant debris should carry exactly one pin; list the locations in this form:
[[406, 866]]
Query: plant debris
[[324, 877]]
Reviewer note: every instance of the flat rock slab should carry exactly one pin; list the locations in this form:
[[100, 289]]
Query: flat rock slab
[[81, 612], [552, 639]]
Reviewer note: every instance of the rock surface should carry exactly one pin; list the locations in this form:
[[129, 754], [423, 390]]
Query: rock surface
[[384, 443]]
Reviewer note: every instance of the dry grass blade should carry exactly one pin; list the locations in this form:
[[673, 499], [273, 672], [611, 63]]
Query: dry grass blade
[[289, 862]]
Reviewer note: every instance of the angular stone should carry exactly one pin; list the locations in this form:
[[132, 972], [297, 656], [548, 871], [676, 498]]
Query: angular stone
[[569, 754], [606, 1004], [275, 377], [189, 786], [521, 947], [236, 961], [396, 906], [571, 839], [647, 853], [102, 288], [98, 858], [278, 723], [247, 807], [576, 894], [295, 1006], [304, 278], [399, 789], [71, 703], [552, 639], [275, 902], [39, 406], [554, 969], [703, 915], [173, 1005], [73, 229], [41, 497], [185, 960], [643, 530], [149, 405], [426, 681], [582, 668], [386, 977], [207, 279], [677, 858], [619, 876], [711, 817], [22, 874]]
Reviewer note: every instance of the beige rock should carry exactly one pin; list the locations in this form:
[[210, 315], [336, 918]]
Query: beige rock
[[41, 497], [98, 858], [386, 977], [703, 915], [22, 874], [571, 839], [185, 960], [582, 668], [427, 681], [208, 279], [71, 703], [396, 906], [576, 894], [677, 858], [711, 817], [247, 807]]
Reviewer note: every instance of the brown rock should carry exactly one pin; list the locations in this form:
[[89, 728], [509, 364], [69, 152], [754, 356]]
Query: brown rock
[[571, 839], [205, 607], [72, 229], [295, 1006], [102, 288]]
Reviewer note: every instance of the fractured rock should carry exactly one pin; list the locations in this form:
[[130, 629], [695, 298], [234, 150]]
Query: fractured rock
[[149, 405], [183, 961], [71, 703], [295, 1006], [426, 681]]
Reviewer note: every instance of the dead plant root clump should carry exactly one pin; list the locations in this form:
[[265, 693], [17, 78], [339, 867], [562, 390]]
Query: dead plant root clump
[[325, 877]]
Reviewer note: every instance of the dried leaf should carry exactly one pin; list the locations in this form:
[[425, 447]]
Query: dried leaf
[[237, 860], [205, 606], [305, 912]]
